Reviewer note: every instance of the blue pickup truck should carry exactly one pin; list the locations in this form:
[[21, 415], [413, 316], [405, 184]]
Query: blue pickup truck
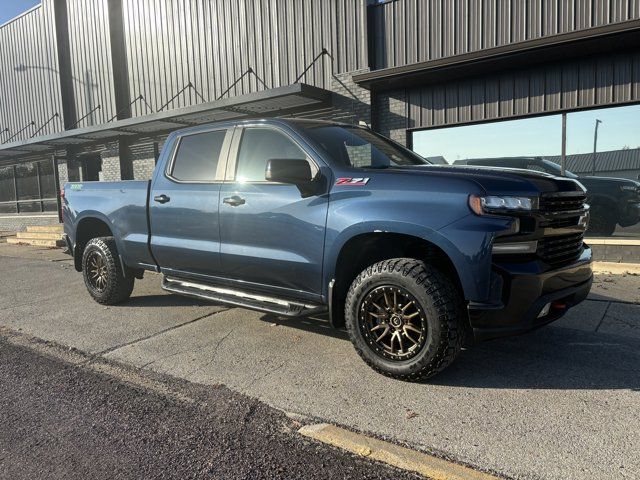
[[301, 217]]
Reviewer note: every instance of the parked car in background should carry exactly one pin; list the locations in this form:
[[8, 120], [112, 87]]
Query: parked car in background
[[299, 217], [613, 201]]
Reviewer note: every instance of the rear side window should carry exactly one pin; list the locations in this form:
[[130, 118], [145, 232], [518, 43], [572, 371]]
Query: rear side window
[[260, 145], [197, 157]]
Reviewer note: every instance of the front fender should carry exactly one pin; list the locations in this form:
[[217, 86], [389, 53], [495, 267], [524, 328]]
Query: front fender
[[467, 242]]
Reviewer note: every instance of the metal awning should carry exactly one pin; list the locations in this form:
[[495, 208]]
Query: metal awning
[[615, 37], [275, 101]]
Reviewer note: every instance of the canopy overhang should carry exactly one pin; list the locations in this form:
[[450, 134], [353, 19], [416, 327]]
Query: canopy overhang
[[276, 101]]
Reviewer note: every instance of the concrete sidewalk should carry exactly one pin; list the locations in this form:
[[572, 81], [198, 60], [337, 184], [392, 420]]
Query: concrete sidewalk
[[561, 402]]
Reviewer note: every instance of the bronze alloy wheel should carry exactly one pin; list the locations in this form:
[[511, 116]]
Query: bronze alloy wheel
[[393, 323], [97, 271], [103, 272]]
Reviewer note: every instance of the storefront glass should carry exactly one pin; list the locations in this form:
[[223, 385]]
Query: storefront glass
[[603, 153], [28, 188]]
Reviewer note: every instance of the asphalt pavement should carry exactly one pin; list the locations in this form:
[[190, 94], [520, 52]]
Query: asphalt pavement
[[62, 419], [559, 403]]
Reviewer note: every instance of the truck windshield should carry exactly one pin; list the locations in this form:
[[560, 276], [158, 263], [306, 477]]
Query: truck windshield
[[361, 148], [555, 169]]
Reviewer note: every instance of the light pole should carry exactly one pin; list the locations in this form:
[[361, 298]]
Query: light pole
[[595, 145]]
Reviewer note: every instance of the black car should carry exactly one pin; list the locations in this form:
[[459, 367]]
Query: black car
[[614, 201]]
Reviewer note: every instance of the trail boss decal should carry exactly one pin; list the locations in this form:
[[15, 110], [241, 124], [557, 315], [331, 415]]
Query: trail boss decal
[[354, 182]]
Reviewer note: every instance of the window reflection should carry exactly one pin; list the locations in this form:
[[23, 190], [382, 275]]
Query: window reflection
[[603, 153], [28, 188]]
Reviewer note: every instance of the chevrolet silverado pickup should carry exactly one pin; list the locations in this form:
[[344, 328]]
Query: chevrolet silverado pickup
[[302, 217], [613, 201]]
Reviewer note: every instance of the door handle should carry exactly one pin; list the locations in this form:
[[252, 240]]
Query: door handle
[[161, 198], [234, 201]]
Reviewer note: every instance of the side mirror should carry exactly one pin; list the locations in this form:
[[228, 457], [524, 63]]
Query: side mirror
[[293, 171], [287, 170]]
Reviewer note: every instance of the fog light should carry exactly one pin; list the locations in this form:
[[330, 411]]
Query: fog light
[[515, 247], [545, 311]]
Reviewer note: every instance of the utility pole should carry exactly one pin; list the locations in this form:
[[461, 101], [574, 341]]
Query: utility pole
[[563, 160], [595, 145]]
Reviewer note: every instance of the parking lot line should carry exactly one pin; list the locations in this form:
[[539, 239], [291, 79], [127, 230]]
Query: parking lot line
[[401, 457]]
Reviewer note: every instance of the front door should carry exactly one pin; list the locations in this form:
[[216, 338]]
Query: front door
[[270, 235], [183, 211]]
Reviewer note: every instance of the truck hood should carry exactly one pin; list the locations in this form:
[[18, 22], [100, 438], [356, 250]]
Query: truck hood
[[608, 181], [501, 181]]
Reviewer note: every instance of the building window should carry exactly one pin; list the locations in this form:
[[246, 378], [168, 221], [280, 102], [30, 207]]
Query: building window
[[603, 153], [28, 188]]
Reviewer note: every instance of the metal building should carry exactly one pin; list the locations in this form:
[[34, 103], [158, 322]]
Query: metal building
[[90, 88]]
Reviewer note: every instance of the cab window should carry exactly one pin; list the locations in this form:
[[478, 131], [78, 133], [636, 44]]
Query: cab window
[[197, 157], [259, 145]]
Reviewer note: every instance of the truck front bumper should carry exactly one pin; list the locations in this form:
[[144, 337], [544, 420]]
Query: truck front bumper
[[526, 296]]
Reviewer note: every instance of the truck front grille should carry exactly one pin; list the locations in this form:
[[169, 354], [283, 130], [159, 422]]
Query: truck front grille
[[561, 249], [561, 203]]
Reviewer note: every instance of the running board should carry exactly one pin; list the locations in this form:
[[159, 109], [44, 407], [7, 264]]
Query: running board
[[239, 298]]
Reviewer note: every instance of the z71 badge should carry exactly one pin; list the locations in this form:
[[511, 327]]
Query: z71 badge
[[354, 182]]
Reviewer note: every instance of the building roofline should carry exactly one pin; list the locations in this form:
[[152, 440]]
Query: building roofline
[[576, 44], [20, 15]]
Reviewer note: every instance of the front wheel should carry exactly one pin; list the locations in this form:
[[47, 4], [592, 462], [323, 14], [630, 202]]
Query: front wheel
[[404, 318], [103, 274]]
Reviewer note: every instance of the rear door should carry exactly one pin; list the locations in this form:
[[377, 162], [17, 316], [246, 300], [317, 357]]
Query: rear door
[[270, 235], [185, 235]]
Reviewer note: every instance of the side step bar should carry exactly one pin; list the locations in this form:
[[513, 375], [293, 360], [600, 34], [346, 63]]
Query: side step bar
[[240, 298]]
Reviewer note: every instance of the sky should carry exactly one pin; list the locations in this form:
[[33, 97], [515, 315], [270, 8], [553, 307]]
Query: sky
[[12, 8], [538, 136]]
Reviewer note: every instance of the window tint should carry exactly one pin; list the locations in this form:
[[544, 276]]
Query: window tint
[[260, 145], [358, 147], [536, 167], [197, 157]]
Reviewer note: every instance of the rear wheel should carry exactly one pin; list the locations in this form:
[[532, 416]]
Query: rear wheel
[[404, 318], [102, 272], [601, 221]]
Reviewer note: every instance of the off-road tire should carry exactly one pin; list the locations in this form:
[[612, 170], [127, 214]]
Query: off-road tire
[[117, 286], [440, 301], [600, 221]]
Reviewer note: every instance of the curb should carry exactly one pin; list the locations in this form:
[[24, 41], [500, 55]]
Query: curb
[[400, 457], [617, 268]]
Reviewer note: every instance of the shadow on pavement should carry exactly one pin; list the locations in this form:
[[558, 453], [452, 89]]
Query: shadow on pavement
[[549, 358], [316, 324], [164, 301]]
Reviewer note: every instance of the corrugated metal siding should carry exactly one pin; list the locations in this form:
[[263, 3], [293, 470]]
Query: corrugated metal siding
[[410, 31], [91, 60], [609, 161], [29, 81], [211, 43], [563, 86]]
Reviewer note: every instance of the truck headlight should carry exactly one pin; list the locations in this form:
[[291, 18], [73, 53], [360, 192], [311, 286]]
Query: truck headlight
[[629, 188], [487, 204]]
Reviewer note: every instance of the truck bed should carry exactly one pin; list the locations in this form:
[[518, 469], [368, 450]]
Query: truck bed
[[121, 205]]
